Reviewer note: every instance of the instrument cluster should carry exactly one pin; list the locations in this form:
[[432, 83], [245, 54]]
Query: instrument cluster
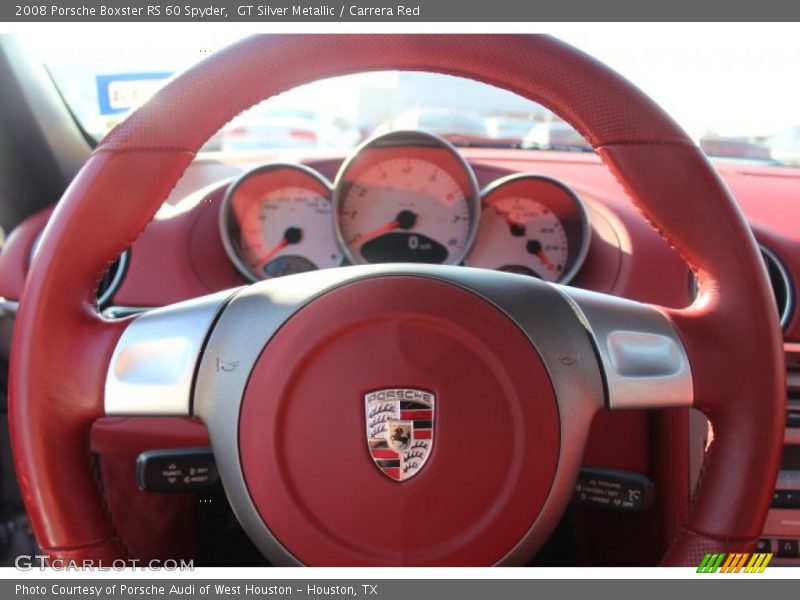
[[405, 196]]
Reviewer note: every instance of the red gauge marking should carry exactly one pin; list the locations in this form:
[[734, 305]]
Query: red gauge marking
[[507, 217], [515, 226]]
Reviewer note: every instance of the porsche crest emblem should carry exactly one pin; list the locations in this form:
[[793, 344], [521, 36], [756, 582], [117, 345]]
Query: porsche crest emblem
[[399, 430]]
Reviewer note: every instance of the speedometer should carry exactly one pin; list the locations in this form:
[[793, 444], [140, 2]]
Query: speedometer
[[276, 220], [406, 197]]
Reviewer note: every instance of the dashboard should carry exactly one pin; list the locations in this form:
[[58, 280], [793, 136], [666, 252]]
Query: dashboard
[[411, 197], [406, 196]]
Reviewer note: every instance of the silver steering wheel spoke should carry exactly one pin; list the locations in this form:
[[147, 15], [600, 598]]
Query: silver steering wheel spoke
[[153, 366], [643, 359]]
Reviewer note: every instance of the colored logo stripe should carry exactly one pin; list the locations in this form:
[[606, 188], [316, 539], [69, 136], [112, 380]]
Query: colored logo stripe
[[734, 563], [411, 405], [411, 415], [384, 453]]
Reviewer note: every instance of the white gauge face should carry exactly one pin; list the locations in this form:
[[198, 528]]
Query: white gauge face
[[521, 235], [405, 210], [288, 230]]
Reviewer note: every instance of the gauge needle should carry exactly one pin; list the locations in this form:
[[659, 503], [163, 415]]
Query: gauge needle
[[291, 236], [535, 247], [517, 229], [405, 219]]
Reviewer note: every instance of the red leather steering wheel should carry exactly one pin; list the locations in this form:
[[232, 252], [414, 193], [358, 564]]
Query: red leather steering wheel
[[730, 338]]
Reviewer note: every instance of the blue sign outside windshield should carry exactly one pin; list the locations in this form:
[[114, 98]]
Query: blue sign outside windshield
[[118, 93]]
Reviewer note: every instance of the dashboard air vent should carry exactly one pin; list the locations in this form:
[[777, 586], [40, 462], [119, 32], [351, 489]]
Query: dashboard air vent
[[778, 278], [110, 281], [781, 285]]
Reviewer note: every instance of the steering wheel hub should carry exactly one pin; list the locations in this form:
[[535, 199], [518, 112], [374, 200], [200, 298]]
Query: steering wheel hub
[[493, 441]]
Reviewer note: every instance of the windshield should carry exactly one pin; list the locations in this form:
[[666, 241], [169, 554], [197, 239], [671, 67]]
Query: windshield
[[731, 87]]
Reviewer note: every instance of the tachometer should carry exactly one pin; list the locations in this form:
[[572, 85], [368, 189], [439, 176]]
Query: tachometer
[[406, 197], [276, 220], [531, 225]]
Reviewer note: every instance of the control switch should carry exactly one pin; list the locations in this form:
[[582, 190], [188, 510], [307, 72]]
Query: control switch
[[613, 490], [176, 470]]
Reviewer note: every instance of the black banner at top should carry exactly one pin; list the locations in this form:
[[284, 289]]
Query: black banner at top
[[465, 11]]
